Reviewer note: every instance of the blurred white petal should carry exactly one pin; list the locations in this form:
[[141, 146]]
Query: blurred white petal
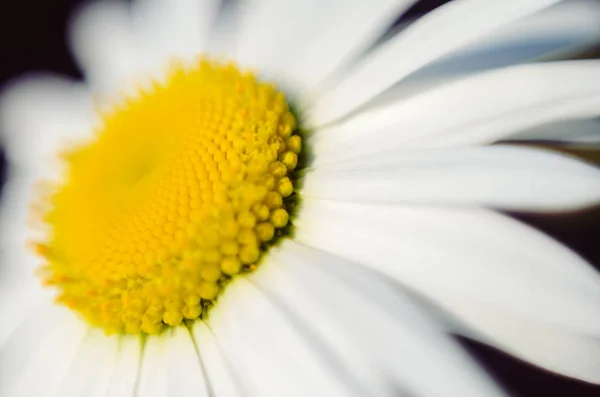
[[477, 110], [258, 46], [36, 358], [172, 30], [125, 375], [103, 43], [318, 50], [472, 253], [578, 131], [381, 339], [18, 261], [222, 41], [268, 355], [170, 366], [221, 381], [153, 380], [566, 26], [42, 114], [439, 32], [507, 177], [185, 374], [557, 349], [20, 297], [92, 367], [557, 31]]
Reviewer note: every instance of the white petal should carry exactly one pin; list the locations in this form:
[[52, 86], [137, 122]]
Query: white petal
[[565, 26], [473, 253], [35, 360], [268, 31], [40, 115], [222, 40], [578, 131], [320, 50], [20, 297], [509, 177], [153, 381], [103, 44], [168, 30], [92, 368], [292, 41], [476, 257], [381, 340], [185, 374], [266, 27], [220, 379], [569, 353], [557, 31], [127, 367], [267, 353], [443, 30], [476, 110], [19, 229], [170, 366]]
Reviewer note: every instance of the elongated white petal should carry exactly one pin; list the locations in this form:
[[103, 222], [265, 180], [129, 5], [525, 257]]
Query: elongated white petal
[[476, 254], [153, 381], [578, 131], [92, 368], [34, 362], [221, 381], [20, 296], [127, 367], [168, 31], [473, 256], [170, 366], [292, 41], [103, 43], [268, 355], [185, 374], [257, 46], [15, 212], [40, 115], [509, 177], [565, 26], [222, 41], [564, 352], [381, 340], [443, 30], [477, 110], [553, 33], [320, 49]]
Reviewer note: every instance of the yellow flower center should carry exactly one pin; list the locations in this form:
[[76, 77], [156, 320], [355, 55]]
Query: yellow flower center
[[183, 187]]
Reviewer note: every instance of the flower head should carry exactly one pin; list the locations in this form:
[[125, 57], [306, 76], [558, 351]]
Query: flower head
[[249, 199]]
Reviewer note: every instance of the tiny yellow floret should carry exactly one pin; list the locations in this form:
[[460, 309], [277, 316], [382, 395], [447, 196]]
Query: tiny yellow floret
[[285, 187], [265, 231], [279, 218], [183, 187]]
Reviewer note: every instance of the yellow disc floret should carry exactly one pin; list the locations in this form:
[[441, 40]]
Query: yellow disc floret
[[184, 186]]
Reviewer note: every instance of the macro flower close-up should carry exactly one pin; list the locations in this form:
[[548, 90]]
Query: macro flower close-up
[[299, 198]]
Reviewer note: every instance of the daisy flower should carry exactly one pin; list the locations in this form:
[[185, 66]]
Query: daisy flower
[[297, 198]]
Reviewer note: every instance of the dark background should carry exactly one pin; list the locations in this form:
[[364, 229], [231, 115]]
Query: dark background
[[32, 37]]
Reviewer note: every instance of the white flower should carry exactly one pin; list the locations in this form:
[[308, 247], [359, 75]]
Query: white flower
[[396, 244]]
